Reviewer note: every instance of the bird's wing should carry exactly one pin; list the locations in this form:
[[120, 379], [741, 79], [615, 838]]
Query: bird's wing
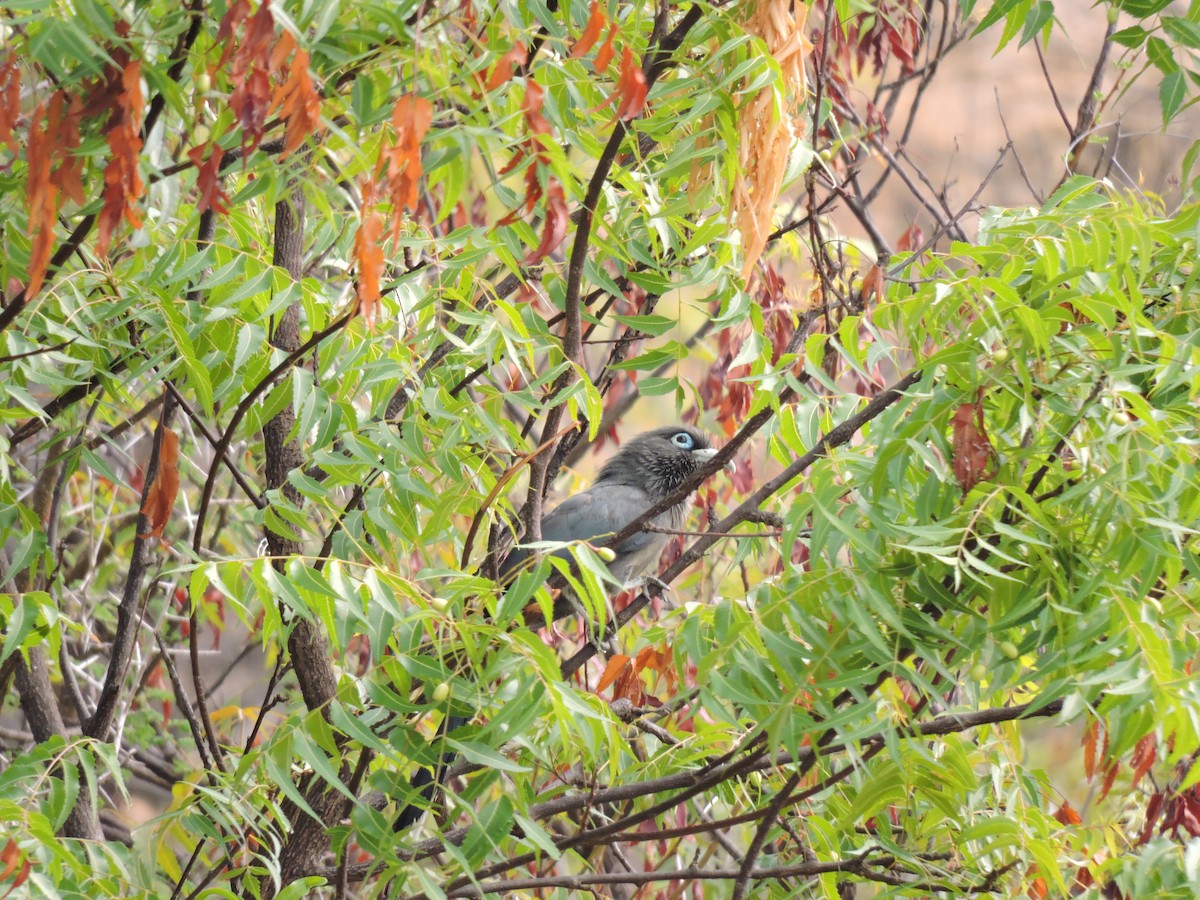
[[603, 509]]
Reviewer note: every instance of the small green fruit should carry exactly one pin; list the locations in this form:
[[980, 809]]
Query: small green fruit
[[1009, 649], [608, 554], [441, 693]]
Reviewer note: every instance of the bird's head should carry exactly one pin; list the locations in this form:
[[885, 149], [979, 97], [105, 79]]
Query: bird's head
[[659, 461]]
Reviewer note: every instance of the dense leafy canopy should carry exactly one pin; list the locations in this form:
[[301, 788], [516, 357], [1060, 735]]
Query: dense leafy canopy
[[310, 308]]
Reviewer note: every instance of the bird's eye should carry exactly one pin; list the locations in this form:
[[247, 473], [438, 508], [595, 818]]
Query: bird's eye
[[683, 440]]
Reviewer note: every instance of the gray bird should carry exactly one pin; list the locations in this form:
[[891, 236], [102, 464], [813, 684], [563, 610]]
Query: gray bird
[[643, 472]]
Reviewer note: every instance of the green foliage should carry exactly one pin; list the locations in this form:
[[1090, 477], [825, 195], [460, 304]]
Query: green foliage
[[859, 660]]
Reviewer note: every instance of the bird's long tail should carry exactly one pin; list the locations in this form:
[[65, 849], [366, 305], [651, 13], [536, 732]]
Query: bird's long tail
[[427, 781]]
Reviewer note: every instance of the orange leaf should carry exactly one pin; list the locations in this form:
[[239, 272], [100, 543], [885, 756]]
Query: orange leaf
[[160, 499], [411, 119], [873, 284], [1109, 777], [10, 100], [122, 180], [912, 238], [555, 226], [1067, 815], [1143, 758], [368, 254], [631, 88], [299, 102], [20, 879], [503, 71], [591, 33], [1089, 749], [604, 57], [42, 196], [532, 107], [10, 856], [616, 665], [973, 453], [629, 687]]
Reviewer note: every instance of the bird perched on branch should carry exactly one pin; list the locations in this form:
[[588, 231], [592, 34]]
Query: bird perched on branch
[[648, 468]]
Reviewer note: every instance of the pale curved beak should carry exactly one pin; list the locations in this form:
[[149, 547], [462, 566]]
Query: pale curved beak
[[704, 454]]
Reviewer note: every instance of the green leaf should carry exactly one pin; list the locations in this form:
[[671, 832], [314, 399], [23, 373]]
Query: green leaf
[[1171, 94]]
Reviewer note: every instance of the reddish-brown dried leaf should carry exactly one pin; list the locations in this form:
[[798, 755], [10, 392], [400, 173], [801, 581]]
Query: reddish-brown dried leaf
[[11, 857], [532, 107], [1067, 815], [1038, 889], [368, 256], [401, 162], [973, 452], [122, 180], [872, 286], [503, 70], [1143, 758], [233, 18], [1090, 738], [605, 56], [554, 228], [10, 100], [617, 664], [1109, 777], [591, 33], [208, 177], [912, 238], [1154, 809], [20, 879], [64, 135], [160, 499], [250, 100], [629, 687], [42, 196], [298, 103], [631, 88]]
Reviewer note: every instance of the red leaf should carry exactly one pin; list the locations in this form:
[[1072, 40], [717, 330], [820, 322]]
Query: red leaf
[[555, 226], [1109, 777], [604, 57], [208, 178], [160, 499], [503, 70], [591, 33], [1143, 758], [1153, 810], [973, 454], [631, 88]]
